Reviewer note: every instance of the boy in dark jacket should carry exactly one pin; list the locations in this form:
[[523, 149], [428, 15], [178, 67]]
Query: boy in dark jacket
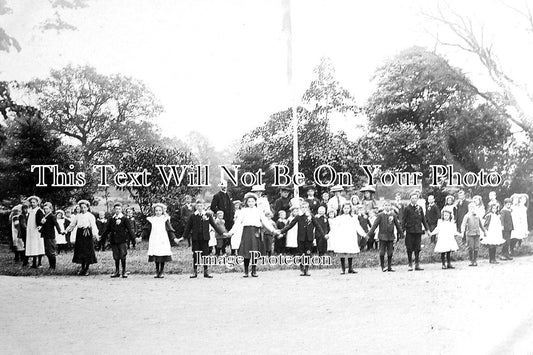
[[101, 224], [198, 229], [119, 231], [386, 221], [507, 224], [412, 223], [48, 229], [130, 214], [306, 233], [321, 241]]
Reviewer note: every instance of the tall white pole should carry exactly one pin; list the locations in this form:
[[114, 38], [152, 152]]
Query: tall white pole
[[287, 28]]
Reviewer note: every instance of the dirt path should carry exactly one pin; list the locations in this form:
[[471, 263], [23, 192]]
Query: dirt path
[[485, 309]]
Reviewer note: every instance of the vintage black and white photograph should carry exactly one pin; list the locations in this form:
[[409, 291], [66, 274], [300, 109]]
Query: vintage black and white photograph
[[266, 176]]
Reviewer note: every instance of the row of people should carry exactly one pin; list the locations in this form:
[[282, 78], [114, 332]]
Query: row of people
[[340, 234]]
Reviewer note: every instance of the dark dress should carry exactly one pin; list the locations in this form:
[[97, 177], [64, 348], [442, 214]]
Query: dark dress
[[321, 241], [251, 241], [84, 245], [279, 243]]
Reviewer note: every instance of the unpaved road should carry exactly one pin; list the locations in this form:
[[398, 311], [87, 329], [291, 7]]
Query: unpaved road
[[488, 309]]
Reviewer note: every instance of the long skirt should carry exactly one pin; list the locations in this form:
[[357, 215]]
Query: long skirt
[[250, 241], [84, 247], [34, 244]]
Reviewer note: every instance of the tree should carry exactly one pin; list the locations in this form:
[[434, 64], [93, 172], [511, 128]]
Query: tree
[[148, 157], [327, 94], [205, 153], [514, 96], [271, 143], [425, 112], [102, 113], [29, 143]]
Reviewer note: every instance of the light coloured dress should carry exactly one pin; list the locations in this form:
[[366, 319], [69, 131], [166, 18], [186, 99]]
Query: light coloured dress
[[159, 243], [61, 238], [236, 238], [263, 204], [74, 231], [212, 237], [34, 242], [495, 231], [331, 235], [346, 233], [18, 243], [446, 231], [519, 214]]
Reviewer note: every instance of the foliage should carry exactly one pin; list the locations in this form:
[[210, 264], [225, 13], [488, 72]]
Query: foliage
[[326, 94], [29, 143], [148, 157], [425, 112], [205, 153], [272, 142], [514, 98], [105, 114]]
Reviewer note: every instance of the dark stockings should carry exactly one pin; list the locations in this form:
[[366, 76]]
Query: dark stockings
[[246, 266], [160, 267]]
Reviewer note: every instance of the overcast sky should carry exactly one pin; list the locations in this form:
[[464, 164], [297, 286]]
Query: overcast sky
[[218, 67]]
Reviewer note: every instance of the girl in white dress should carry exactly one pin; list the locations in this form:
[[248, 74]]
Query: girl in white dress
[[236, 238], [34, 242], [446, 231], [159, 233], [347, 232], [494, 235], [519, 215], [61, 240]]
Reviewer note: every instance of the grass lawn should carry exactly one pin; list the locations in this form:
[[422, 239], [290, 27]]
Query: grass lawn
[[182, 260]]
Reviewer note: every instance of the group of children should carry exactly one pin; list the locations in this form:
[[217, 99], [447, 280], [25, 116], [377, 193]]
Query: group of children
[[303, 226]]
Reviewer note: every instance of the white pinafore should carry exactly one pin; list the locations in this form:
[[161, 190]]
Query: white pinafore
[[158, 244]]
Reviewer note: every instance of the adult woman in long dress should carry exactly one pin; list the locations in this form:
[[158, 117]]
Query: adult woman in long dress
[[250, 220], [34, 242], [85, 225]]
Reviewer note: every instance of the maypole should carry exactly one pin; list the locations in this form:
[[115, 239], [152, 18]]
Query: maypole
[[287, 29]]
